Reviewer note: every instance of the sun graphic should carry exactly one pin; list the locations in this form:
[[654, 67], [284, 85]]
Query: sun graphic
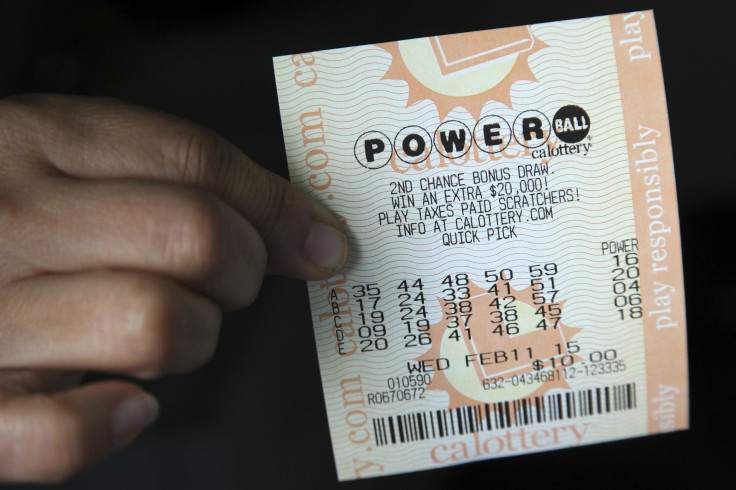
[[464, 70], [502, 343]]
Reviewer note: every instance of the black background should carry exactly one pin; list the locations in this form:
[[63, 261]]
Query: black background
[[254, 416]]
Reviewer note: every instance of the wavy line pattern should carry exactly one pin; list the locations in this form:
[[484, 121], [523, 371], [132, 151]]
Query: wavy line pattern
[[323, 121]]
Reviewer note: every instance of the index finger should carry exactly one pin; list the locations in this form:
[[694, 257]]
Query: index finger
[[106, 139]]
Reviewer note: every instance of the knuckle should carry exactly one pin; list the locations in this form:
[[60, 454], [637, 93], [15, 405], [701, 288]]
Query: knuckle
[[159, 339], [147, 337], [274, 196], [201, 156], [143, 339], [194, 240], [279, 201]]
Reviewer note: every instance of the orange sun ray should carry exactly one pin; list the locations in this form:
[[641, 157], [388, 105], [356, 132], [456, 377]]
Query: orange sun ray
[[453, 71]]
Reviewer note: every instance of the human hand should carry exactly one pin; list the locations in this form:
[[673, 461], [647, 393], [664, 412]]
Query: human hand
[[123, 235]]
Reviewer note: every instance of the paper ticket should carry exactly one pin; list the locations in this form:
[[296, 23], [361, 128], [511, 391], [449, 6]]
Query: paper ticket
[[514, 283]]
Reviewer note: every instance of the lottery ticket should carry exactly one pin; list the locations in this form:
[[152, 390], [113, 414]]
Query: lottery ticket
[[514, 282]]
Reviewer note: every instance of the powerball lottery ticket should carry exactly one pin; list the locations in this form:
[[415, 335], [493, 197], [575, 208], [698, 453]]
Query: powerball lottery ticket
[[514, 282]]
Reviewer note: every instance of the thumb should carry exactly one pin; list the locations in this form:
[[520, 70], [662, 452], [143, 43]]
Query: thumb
[[303, 239], [49, 438]]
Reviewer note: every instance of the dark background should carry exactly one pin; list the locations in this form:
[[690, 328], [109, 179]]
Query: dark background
[[231, 425]]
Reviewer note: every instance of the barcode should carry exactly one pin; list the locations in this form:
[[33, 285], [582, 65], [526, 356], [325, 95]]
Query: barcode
[[485, 417]]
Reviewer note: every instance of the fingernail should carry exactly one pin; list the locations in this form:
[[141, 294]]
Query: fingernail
[[326, 247], [131, 416]]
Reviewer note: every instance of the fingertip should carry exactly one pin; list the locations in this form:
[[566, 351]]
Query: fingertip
[[326, 248], [50, 438], [304, 239], [131, 416]]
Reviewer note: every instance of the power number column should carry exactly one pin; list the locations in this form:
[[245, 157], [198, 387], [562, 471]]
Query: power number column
[[625, 286]]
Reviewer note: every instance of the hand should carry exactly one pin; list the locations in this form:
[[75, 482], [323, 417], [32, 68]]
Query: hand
[[123, 235]]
